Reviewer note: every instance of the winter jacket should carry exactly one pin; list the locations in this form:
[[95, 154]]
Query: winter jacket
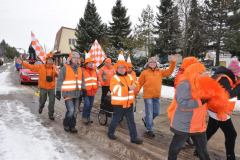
[[44, 70], [226, 79], [152, 81], [91, 72], [108, 72], [189, 115], [62, 77], [133, 74], [121, 96]]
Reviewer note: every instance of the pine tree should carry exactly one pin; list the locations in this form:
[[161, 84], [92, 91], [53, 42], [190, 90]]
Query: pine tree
[[144, 32], [196, 31], [217, 14], [119, 29], [232, 36], [167, 29], [89, 28]]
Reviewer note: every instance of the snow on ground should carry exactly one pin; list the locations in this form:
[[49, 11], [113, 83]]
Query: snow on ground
[[23, 137], [6, 86]]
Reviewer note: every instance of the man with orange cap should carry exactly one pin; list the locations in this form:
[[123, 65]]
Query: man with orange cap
[[105, 74], [151, 80], [122, 87], [130, 67], [71, 83], [46, 82], [92, 85]]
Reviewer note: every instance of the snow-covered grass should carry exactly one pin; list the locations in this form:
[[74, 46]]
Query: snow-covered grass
[[167, 92], [22, 137], [6, 86]]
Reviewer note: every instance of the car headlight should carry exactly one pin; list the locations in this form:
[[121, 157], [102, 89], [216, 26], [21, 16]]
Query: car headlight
[[24, 73]]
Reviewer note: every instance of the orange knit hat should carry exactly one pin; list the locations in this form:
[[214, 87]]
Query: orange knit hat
[[108, 60], [88, 58]]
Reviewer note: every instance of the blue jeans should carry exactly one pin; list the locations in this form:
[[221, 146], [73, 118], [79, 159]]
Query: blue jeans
[[152, 110], [88, 104], [71, 114], [118, 114]]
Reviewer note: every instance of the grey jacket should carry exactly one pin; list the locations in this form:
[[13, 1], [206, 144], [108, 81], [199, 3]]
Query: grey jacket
[[187, 110], [61, 78]]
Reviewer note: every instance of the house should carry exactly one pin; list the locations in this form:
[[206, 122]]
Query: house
[[65, 39]]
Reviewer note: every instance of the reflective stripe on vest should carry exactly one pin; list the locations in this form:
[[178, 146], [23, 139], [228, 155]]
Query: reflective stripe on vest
[[72, 80], [116, 95], [90, 81]]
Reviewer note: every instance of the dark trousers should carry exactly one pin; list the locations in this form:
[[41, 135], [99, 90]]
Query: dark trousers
[[118, 114], [200, 142], [105, 90], [229, 132], [71, 114], [43, 98]]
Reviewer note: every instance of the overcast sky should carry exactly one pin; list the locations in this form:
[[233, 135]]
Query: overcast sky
[[45, 17]]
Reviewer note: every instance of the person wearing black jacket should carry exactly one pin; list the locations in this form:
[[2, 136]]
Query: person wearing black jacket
[[226, 78]]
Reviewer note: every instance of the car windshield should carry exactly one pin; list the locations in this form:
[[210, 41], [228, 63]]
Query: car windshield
[[34, 63]]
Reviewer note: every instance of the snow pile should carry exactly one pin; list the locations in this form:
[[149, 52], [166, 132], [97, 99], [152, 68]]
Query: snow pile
[[23, 137], [167, 92], [6, 87]]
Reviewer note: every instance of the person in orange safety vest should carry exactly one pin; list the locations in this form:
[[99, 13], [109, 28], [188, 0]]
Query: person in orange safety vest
[[71, 83], [105, 74], [122, 87], [92, 85], [130, 68]]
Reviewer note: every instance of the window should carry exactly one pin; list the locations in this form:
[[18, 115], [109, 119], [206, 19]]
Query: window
[[71, 41]]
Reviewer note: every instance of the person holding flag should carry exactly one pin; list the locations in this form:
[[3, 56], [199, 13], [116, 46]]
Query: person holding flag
[[92, 85], [46, 82], [105, 74]]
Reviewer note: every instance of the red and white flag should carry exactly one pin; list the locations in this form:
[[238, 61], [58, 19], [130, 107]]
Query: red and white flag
[[38, 48], [96, 52]]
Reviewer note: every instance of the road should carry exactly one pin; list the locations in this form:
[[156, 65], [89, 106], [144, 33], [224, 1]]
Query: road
[[92, 139]]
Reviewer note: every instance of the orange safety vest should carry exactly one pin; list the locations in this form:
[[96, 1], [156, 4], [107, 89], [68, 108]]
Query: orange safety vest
[[90, 81], [72, 80], [117, 95]]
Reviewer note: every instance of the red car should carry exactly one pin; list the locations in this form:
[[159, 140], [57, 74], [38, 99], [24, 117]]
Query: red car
[[28, 76]]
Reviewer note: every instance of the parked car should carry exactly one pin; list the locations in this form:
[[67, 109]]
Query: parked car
[[28, 76]]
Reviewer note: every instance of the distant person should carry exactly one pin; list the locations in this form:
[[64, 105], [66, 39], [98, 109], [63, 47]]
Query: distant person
[[151, 80], [105, 74], [46, 82], [71, 83], [130, 68]]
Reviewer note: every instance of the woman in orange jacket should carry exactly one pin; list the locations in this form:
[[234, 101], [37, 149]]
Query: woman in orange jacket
[[122, 88], [92, 85], [46, 82], [105, 74]]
